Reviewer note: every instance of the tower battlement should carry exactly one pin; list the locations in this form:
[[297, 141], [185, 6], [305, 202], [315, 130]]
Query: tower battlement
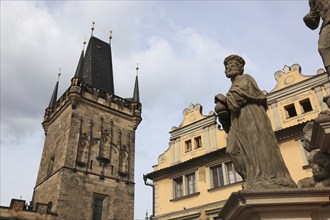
[[80, 91]]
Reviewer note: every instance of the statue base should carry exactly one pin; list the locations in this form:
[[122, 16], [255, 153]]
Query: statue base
[[280, 204]]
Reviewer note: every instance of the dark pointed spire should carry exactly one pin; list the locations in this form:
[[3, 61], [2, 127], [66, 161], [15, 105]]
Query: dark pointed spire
[[79, 70], [97, 65], [53, 99], [136, 94]]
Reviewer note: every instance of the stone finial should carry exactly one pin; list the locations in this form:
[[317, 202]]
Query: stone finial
[[110, 37], [93, 27]]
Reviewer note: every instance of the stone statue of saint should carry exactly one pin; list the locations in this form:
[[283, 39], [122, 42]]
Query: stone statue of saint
[[251, 142], [321, 9]]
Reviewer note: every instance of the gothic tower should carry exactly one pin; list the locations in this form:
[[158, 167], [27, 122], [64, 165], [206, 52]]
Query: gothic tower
[[87, 165]]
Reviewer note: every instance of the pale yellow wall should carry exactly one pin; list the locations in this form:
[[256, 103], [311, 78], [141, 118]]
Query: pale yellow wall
[[165, 159], [165, 194], [293, 157]]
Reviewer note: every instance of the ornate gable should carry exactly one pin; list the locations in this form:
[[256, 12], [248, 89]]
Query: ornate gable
[[288, 76]]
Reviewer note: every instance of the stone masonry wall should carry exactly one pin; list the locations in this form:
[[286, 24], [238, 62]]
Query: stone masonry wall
[[92, 148]]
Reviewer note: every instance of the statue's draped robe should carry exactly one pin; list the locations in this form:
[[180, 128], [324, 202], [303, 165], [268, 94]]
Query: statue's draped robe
[[251, 142], [320, 8]]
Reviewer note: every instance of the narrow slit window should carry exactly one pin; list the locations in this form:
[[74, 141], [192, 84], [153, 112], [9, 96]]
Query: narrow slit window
[[91, 165], [98, 206]]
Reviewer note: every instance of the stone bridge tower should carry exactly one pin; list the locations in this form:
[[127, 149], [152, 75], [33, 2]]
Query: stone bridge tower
[[87, 165]]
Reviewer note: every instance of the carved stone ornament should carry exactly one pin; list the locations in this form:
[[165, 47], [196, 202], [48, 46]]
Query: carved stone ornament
[[83, 148], [104, 148]]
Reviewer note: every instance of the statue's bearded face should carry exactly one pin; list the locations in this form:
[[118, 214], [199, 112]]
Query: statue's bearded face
[[233, 69]]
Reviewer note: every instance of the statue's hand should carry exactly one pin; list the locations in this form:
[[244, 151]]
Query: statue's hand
[[220, 98], [312, 21]]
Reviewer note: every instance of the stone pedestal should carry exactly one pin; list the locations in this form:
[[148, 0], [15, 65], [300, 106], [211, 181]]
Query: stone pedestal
[[293, 204], [321, 132]]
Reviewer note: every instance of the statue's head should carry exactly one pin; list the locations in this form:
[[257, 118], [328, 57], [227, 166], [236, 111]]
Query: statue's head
[[320, 163], [234, 66]]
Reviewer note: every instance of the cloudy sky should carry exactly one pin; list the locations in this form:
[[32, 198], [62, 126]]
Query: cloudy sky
[[180, 46]]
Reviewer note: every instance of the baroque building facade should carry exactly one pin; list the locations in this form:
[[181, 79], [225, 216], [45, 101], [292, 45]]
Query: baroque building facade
[[194, 177], [87, 164]]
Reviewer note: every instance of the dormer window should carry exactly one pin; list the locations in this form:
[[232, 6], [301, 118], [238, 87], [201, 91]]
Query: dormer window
[[198, 142], [305, 105], [188, 145], [290, 111]]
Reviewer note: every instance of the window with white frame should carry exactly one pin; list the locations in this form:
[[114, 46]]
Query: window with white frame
[[217, 177], [223, 174], [232, 175], [191, 183], [178, 187], [184, 185]]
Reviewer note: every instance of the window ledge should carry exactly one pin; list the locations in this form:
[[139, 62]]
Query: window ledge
[[185, 197], [224, 187]]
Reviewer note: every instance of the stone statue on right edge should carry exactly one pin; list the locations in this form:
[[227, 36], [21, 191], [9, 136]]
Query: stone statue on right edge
[[321, 9], [251, 142], [317, 142]]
